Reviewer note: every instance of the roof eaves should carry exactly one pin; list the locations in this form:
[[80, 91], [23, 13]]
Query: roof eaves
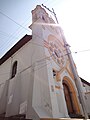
[[16, 47]]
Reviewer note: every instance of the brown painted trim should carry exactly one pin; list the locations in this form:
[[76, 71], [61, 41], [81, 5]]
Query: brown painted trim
[[87, 92], [16, 47], [84, 81]]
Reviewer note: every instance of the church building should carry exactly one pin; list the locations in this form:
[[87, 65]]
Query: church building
[[38, 77]]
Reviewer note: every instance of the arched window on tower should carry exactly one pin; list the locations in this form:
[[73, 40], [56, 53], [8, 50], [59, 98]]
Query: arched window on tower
[[14, 69], [54, 73]]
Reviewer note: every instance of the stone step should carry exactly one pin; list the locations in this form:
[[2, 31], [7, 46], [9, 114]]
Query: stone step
[[19, 118], [62, 119], [14, 118], [22, 117], [9, 118]]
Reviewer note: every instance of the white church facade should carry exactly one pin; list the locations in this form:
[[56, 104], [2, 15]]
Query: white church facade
[[36, 77]]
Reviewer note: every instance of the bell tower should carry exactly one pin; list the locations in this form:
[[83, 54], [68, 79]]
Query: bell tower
[[40, 13], [44, 101]]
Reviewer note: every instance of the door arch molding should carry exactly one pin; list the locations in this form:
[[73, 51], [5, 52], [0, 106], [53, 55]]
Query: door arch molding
[[73, 95]]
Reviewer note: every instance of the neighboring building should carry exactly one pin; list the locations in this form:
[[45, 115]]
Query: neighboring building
[[86, 90], [36, 78]]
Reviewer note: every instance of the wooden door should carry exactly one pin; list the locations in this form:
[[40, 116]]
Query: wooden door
[[68, 99]]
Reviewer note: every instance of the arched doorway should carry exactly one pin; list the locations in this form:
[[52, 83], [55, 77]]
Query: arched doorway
[[68, 98], [71, 97]]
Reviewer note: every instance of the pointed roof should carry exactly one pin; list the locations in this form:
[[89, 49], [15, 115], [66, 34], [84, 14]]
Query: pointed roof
[[84, 81]]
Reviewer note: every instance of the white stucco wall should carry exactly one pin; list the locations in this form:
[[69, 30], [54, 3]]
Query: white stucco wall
[[19, 83], [5, 70]]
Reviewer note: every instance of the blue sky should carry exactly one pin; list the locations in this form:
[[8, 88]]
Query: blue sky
[[73, 17]]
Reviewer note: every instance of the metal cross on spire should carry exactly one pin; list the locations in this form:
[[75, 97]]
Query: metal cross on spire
[[52, 11]]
